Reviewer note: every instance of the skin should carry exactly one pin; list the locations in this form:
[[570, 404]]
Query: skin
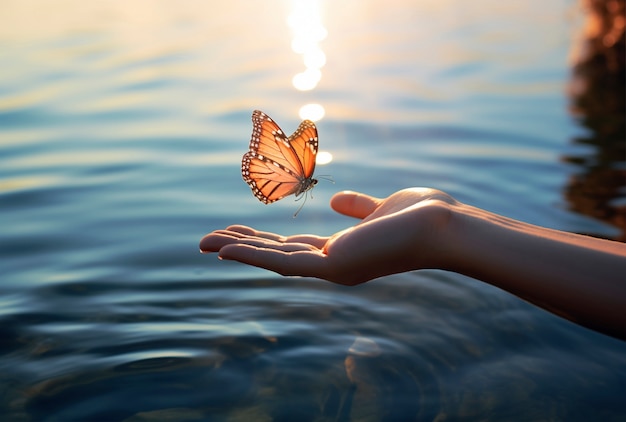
[[578, 277]]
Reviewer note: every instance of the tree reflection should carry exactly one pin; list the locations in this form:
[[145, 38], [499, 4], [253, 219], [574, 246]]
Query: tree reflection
[[598, 101]]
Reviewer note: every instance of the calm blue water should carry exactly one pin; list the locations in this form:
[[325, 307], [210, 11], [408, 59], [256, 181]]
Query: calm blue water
[[122, 126]]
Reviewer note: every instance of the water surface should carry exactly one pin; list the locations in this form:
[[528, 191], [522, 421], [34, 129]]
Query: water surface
[[122, 128]]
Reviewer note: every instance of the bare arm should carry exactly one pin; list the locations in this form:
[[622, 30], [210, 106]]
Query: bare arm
[[578, 277]]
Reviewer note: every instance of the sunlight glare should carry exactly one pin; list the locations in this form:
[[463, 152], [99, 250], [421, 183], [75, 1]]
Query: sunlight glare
[[314, 58], [323, 157], [308, 31], [307, 80], [313, 112]]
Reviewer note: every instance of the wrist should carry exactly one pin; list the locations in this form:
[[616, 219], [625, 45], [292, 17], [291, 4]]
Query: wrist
[[463, 238], [435, 222]]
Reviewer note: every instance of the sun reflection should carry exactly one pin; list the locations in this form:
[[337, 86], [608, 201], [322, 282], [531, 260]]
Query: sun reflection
[[323, 157], [306, 24], [313, 112], [308, 31], [307, 80]]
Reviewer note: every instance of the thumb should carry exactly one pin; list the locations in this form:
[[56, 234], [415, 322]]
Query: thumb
[[354, 204]]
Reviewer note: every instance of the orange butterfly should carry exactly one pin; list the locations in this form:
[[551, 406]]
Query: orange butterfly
[[277, 166]]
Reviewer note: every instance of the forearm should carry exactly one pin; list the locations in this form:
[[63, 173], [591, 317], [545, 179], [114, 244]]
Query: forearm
[[578, 277]]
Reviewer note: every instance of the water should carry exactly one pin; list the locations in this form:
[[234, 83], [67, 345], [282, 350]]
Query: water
[[122, 128]]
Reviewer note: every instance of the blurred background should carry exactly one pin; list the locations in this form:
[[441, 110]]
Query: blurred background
[[122, 126]]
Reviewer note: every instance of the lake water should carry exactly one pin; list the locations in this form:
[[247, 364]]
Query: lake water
[[122, 126]]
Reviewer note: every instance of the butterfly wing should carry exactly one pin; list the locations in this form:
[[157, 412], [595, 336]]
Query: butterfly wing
[[277, 166], [304, 142]]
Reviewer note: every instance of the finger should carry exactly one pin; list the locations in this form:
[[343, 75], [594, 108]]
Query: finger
[[354, 204], [213, 242], [249, 231], [317, 241], [305, 263], [310, 239], [236, 230]]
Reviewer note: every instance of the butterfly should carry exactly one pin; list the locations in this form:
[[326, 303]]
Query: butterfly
[[276, 165]]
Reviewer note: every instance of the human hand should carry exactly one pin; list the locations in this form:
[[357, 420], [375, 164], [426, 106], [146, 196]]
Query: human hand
[[400, 233], [425, 228]]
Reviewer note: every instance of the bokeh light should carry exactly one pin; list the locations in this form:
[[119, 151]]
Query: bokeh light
[[313, 112], [306, 24]]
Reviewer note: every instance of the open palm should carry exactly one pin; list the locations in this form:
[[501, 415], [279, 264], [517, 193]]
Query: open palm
[[395, 234]]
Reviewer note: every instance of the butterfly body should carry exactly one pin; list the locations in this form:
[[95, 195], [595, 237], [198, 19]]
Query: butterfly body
[[276, 165]]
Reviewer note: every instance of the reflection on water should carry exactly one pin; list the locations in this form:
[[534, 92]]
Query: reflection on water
[[305, 22], [313, 112], [231, 351], [598, 189]]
